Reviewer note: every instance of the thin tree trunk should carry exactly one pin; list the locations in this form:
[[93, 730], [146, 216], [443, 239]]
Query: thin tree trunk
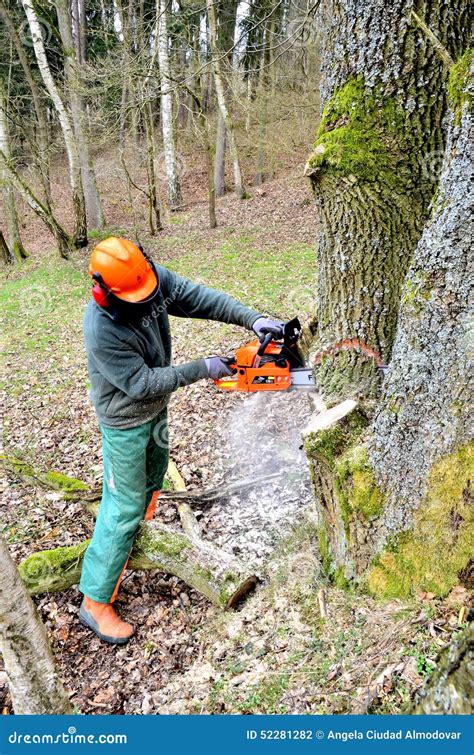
[[226, 20], [167, 129], [219, 162], [80, 232], [16, 245], [221, 99], [71, 52], [154, 216], [43, 158], [65, 243], [384, 103], [32, 679]]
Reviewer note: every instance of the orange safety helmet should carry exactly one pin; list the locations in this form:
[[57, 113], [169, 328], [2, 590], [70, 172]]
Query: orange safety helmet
[[121, 269]]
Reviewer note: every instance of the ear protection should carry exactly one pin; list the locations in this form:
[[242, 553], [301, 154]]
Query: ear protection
[[100, 291]]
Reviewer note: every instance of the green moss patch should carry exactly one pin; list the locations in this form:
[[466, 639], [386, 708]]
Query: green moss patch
[[431, 556], [361, 135], [357, 489], [459, 77], [66, 483]]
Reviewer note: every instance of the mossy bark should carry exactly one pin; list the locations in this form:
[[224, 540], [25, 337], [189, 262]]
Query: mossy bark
[[450, 690], [373, 171], [396, 502], [211, 571]]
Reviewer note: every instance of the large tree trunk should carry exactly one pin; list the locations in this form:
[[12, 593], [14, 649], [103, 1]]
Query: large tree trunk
[[80, 233], [71, 46], [16, 245], [373, 171], [32, 679], [166, 112], [397, 509], [216, 54], [42, 134]]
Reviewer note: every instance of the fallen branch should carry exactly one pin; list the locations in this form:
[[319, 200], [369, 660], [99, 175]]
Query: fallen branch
[[211, 571]]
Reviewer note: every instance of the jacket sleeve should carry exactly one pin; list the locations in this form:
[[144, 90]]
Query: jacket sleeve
[[184, 298], [124, 368]]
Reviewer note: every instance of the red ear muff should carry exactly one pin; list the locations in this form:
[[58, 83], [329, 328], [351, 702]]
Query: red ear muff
[[99, 295]]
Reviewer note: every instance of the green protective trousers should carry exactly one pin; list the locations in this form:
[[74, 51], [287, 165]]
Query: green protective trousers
[[135, 463]]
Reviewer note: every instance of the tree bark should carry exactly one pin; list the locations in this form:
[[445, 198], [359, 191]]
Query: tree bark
[[32, 679], [396, 499], [167, 128], [373, 171], [5, 254], [94, 213], [16, 245], [42, 136], [450, 690], [222, 100], [80, 233]]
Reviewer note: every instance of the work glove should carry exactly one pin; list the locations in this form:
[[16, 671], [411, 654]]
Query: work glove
[[218, 367], [262, 326]]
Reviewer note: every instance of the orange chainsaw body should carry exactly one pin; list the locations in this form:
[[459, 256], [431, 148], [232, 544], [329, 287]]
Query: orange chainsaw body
[[255, 372]]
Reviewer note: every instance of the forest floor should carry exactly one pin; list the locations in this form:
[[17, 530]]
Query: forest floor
[[276, 654]]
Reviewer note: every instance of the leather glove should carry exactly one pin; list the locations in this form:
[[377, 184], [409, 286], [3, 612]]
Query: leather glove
[[218, 367], [262, 326]]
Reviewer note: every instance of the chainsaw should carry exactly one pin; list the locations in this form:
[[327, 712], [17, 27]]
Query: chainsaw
[[269, 365]]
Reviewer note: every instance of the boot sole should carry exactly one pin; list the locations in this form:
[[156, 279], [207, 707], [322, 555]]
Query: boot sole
[[91, 624]]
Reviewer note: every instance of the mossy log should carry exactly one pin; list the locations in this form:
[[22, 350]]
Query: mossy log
[[450, 689], [210, 570]]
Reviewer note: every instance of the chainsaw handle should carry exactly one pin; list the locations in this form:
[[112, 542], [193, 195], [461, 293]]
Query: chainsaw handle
[[263, 345]]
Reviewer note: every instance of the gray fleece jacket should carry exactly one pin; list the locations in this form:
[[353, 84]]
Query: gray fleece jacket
[[130, 364]]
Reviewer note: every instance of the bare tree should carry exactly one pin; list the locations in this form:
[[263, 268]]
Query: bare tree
[[172, 173], [16, 245], [65, 243], [75, 178], [42, 136], [216, 55], [32, 678], [72, 51], [226, 19]]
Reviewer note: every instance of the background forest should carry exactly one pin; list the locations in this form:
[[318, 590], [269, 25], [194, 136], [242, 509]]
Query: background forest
[[311, 159]]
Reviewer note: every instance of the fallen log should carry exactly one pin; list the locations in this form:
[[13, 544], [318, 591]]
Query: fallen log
[[211, 571]]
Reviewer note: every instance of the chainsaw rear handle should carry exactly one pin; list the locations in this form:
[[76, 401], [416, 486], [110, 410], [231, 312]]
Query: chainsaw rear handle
[[264, 344]]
